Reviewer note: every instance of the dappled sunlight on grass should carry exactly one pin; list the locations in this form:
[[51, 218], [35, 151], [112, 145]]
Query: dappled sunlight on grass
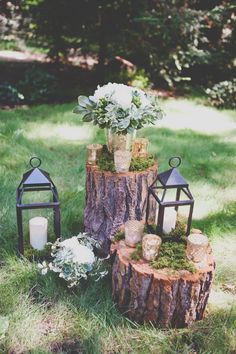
[[62, 132], [209, 198], [221, 299], [185, 114]]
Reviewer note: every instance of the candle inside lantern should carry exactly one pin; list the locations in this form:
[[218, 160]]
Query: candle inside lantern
[[133, 232], [197, 245], [122, 160], [93, 153], [38, 227], [150, 246], [140, 147], [170, 216]]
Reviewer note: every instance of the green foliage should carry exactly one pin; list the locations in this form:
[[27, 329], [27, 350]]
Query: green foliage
[[36, 255], [140, 79], [141, 163], [137, 254], [223, 94], [120, 235], [10, 96], [120, 108], [106, 162], [38, 86], [172, 255], [178, 234]]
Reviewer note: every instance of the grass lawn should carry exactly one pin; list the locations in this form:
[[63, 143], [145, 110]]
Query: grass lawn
[[37, 313]]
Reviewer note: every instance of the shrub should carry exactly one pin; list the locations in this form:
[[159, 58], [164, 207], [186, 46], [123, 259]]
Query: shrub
[[38, 86], [10, 96], [223, 94]]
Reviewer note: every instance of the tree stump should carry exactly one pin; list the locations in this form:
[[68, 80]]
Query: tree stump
[[165, 298], [114, 198]]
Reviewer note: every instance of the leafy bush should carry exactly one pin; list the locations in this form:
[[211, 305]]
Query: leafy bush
[[140, 79], [223, 94], [38, 86], [9, 95]]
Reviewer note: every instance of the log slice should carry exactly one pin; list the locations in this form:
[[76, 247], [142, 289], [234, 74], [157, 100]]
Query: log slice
[[164, 297], [114, 198]]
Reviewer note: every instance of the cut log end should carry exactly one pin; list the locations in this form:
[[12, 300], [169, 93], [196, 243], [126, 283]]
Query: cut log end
[[167, 299]]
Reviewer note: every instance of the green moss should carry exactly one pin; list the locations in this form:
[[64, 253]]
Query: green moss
[[106, 162], [120, 235], [173, 255], [178, 234], [137, 254], [35, 255], [141, 163]]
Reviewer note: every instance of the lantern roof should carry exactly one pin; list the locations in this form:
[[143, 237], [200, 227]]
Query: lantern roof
[[36, 177], [172, 177]]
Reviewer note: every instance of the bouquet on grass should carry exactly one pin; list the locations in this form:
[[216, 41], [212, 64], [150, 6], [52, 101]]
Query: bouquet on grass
[[119, 107], [74, 259]]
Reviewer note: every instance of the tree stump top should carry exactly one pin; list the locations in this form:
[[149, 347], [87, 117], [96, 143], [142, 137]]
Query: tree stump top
[[96, 169], [143, 267]]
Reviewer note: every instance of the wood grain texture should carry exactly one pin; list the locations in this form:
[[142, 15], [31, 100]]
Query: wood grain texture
[[166, 299], [114, 198]]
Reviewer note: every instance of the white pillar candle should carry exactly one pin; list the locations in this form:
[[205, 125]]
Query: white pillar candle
[[38, 227], [197, 245], [170, 216]]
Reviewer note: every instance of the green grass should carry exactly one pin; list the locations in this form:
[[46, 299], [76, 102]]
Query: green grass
[[44, 316]]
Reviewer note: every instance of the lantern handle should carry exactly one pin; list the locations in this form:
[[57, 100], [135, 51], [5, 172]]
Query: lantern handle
[[35, 158], [178, 162]]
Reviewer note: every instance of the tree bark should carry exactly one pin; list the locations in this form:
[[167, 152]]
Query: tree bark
[[167, 299], [114, 198]]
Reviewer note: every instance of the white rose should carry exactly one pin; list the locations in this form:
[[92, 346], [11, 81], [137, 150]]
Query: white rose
[[123, 96]]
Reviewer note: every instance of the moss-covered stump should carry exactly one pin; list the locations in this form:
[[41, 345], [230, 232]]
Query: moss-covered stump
[[114, 198], [164, 297]]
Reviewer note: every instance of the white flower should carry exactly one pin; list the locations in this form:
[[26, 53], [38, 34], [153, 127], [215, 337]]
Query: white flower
[[44, 271], [81, 254], [116, 93]]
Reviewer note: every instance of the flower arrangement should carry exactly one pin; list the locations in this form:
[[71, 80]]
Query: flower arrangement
[[119, 107], [74, 259]]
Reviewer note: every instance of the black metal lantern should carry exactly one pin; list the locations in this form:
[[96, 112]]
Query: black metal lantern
[[165, 181], [36, 180]]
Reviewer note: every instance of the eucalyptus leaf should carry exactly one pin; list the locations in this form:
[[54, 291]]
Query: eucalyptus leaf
[[78, 110], [88, 117], [83, 101]]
